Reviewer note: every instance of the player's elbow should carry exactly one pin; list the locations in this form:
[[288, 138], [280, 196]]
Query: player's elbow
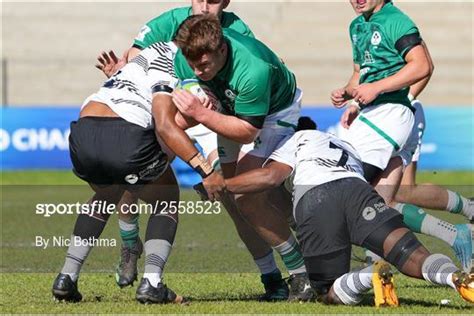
[[273, 178], [248, 134], [247, 139]]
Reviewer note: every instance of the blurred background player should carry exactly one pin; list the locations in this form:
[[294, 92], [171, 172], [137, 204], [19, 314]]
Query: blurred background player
[[261, 106], [378, 129], [163, 28]]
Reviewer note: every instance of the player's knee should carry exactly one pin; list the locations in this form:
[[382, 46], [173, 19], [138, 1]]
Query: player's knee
[[405, 249], [325, 269]]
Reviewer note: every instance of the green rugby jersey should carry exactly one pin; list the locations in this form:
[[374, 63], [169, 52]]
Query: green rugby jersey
[[379, 46], [252, 84], [164, 27]]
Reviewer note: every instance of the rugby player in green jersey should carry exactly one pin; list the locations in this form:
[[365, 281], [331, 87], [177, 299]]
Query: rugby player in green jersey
[[389, 56], [261, 106], [163, 28]]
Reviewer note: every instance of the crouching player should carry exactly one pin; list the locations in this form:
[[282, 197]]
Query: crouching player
[[335, 207], [114, 148]]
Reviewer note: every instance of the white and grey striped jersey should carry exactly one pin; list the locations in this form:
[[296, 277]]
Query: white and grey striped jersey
[[316, 158], [129, 91]]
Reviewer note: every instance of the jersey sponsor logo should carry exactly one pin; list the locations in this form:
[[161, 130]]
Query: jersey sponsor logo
[[131, 178], [376, 38], [363, 71], [143, 32], [354, 39], [380, 207], [368, 58]]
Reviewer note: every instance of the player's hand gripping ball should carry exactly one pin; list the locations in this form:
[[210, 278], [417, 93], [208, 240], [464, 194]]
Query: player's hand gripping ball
[[202, 92]]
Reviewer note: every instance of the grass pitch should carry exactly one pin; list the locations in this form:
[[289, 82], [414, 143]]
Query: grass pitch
[[208, 264]]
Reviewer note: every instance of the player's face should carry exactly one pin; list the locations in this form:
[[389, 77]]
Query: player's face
[[366, 6], [207, 67], [213, 7]]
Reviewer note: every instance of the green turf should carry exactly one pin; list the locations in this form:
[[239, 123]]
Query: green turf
[[206, 250]]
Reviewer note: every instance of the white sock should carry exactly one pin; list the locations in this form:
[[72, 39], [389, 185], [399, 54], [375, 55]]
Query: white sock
[[267, 264], [157, 252], [350, 287], [438, 269], [459, 204], [436, 227], [76, 255]]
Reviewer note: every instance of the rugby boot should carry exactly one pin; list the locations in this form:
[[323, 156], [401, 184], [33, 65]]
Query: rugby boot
[[300, 288], [64, 289], [127, 271], [463, 246], [276, 288], [147, 294], [464, 283], [384, 288]]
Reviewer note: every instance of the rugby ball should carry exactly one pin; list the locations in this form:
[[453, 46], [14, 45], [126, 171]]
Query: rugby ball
[[201, 91]]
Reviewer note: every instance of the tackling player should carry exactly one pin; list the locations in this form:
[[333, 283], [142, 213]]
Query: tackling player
[[114, 148], [335, 207]]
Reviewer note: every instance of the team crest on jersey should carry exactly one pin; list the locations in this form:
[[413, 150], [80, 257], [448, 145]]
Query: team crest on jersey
[[376, 38]]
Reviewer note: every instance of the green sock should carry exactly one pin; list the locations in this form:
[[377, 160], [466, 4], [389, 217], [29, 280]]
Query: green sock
[[413, 216], [129, 232], [291, 255]]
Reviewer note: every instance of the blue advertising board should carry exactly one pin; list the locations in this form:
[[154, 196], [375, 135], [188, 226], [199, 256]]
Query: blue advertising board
[[37, 138]]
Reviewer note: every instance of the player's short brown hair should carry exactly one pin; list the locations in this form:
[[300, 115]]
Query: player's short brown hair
[[198, 35]]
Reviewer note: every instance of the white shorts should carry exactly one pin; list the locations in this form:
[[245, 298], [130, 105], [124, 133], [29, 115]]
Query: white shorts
[[276, 127], [413, 144], [381, 132], [206, 138]]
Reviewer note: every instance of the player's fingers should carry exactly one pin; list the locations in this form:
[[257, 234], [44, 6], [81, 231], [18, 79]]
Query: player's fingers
[[101, 60], [207, 103], [113, 56], [106, 57], [99, 66]]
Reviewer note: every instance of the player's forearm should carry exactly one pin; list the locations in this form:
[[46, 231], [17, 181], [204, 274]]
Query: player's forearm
[[352, 83], [417, 88], [132, 53], [257, 180], [173, 136], [228, 126]]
